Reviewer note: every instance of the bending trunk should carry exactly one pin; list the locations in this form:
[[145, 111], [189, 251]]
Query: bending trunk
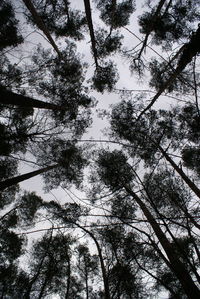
[[103, 269], [20, 178], [178, 267]]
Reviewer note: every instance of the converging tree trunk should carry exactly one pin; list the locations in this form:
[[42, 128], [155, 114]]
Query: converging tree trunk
[[103, 269], [38, 20], [91, 29], [191, 49], [182, 174], [178, 267], [20, 178], [8, 97]]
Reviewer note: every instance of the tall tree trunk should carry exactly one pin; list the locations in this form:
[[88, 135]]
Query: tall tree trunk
[[41, 25], [191, 49], [182, 174], [8, 97], [20, 178], [68, 278], [91, 29], [44, 285], [157, 12], [103, 269], [178, 267], [35, 277]]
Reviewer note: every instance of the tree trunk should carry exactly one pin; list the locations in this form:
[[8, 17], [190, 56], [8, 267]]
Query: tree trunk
[[103, 269], [44, 285], [20, 178], [157, 12], [182, 174], [68, 278], [191, 49], [91, 29], [35, 277], [178, 267], [41, 24], [11, 98]]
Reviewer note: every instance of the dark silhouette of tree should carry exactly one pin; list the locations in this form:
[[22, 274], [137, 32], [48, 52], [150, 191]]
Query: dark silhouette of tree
[[68, 165], [132, 232], [123, 177], [9, 34]]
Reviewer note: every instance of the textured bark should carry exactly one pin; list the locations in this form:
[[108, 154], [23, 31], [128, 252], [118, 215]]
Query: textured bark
[[20, 178], [177, 266]]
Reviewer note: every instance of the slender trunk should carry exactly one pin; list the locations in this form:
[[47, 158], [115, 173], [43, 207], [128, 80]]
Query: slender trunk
[[20, 178], [175, 296], [185, 210], [179, 248], [44, 285], [157, 12], [182, 174], [91, 29], [103, 269], [35, 277], [86, 283], [178, 267], [8, 97], [68, 278], [191, 49], [41, 25]]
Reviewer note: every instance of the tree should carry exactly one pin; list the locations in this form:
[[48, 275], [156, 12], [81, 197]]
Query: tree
[[69, 163], [132, 228], [87, 267], [50, 263], [9, 34], [123, 177]]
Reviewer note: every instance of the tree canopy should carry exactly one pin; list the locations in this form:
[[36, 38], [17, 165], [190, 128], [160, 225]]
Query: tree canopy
[[99, 106]]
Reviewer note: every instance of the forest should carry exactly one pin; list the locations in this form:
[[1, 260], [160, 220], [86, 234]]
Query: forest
[[99, 149]]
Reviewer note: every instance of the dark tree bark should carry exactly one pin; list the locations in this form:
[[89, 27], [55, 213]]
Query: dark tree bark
[[41, 25], [182, 174], [178, 267], [191, 49], [35, 277], [157, 12], [20, 178], [91, 29], [8, 97], [103, 269]]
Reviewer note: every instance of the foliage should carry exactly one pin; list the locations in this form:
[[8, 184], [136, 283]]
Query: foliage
[[120, 217], [9, 35]]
